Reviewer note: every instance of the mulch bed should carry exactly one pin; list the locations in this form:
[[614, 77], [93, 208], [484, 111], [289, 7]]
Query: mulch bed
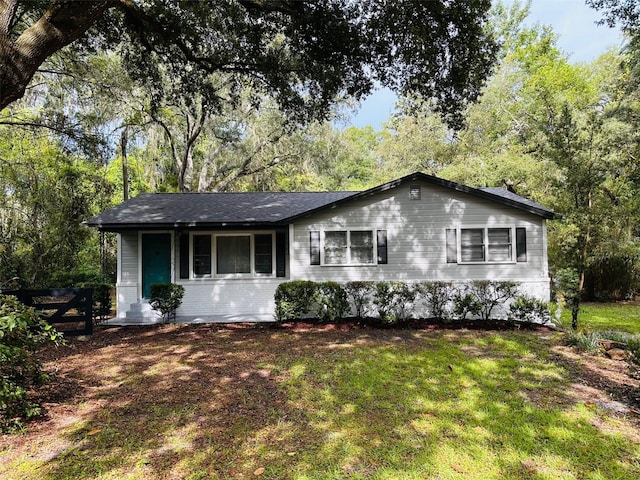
[[412, 324]]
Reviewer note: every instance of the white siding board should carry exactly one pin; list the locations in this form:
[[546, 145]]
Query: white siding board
[[416, 237], [225, 297], [129, 258]]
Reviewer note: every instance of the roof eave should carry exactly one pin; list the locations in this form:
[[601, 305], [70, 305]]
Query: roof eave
[[120, 227]]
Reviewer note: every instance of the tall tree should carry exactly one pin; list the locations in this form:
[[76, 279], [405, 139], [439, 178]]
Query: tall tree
[[304, 52]]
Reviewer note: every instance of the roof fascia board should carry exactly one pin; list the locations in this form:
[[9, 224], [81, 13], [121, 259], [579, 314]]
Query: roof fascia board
[[119, 227]]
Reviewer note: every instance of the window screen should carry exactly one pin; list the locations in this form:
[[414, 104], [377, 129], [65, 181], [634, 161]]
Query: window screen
[[263, 253], [335, 248], [201, 255], [361, 246], [472, 245]]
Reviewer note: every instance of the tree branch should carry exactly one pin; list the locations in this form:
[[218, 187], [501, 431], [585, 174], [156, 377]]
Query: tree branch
[[63, 23]]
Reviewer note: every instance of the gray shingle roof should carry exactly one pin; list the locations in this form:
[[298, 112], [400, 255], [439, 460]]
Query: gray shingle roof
[[504, 193], [212, 209], [203, 210]]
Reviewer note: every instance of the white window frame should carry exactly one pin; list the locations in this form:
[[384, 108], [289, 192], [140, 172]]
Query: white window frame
[[374, 247], [485, 230], [214, 255]]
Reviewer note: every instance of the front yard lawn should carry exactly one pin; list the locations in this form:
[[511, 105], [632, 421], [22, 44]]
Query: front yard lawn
[[214, 402], [623, 316]]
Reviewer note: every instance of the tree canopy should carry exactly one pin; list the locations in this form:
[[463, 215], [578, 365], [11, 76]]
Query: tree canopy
[[302, 52]]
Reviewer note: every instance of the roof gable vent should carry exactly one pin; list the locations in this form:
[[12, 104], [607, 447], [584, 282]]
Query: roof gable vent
[[414, 192]]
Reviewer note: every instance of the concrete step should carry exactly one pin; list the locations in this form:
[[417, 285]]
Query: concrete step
[[143, 312]]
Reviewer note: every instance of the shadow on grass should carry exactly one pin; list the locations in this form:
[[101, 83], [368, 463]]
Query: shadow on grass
[[213, 402]]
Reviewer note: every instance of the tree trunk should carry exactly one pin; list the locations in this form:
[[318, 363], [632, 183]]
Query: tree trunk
[[125, 171], [63, 23]]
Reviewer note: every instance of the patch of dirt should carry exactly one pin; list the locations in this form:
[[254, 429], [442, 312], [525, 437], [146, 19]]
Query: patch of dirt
[[601, 381]]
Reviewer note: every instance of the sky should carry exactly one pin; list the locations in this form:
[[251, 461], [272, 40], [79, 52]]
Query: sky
[[578, 35]]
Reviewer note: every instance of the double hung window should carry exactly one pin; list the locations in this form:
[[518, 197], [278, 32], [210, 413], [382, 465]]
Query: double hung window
[[348, 247], [486, 245]]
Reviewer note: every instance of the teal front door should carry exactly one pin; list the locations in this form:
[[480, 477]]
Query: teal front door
[[156, 260]]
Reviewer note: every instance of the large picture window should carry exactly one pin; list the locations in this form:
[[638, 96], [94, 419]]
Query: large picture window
[[233, 254], [243, 254], [490, 245]]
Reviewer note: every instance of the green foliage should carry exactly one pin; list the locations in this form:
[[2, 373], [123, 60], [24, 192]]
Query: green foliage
[[45, 195], [102, 301], [437, 296], [361, 295], [612, 278], [295, 299], [585, 341], [394, 301], [526, 309], [303, 54], [491, 294], [331, 302], [566, 282], [628, 341], [166, 298], [465, 303], [22, 333], [75, 278]]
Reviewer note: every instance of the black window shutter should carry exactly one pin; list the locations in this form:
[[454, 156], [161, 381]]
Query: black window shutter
[[314, 250], [521, 244], [281, 254], [183, 239], [452, 246], [382, 247]]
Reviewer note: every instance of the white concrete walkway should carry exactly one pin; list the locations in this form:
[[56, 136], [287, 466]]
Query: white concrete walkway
[[249, 318]]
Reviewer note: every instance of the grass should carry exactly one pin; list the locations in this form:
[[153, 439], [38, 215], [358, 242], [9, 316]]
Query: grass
[[607, 316], [196, 402]]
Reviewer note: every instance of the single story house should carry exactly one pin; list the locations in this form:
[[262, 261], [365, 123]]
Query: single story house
[[231, 250]]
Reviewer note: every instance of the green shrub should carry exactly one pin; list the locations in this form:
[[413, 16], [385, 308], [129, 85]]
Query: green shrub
[[361, 294], [384, 300], [465, 303], [437, 296], [102, 302], [528, 309], [166, 298], [586, 341], [75, 278], [22, 333], [405, 300], [295, 299], [492, 294], [331, 302], [394, 301]]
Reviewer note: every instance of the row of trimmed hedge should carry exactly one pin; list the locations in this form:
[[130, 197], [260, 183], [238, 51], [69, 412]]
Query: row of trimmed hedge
[[398, 302]]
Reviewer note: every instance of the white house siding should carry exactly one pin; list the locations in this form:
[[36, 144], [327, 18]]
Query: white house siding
[[203, 297], [229, 296], [416, 238], [127, 284]]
